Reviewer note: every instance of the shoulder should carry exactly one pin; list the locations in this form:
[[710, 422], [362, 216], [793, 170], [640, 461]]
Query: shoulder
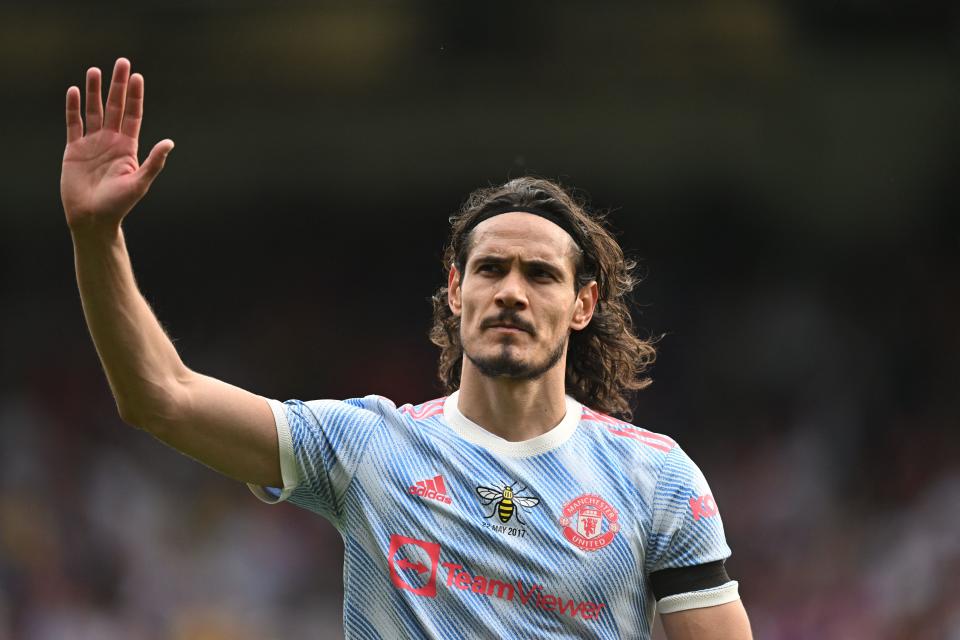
[[629, 438], [656, 459], [642, 458], [424, 410], [327, 411], [371, 410]]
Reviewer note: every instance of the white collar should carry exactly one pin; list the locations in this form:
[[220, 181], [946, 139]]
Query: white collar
[[472, 432]]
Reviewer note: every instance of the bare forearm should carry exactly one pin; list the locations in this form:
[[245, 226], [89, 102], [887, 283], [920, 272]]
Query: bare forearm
[[223, 426], [141, 363]]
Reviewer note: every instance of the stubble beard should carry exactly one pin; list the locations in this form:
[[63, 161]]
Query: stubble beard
[[505, 365]]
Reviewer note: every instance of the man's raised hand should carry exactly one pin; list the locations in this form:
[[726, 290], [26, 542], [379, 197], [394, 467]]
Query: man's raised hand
[[101, 178]]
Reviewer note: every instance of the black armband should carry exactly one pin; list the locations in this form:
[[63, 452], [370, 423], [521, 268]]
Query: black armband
[[668, 582]]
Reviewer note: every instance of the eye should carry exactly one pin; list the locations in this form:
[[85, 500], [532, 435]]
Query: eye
[[488, 268], [542, 275]]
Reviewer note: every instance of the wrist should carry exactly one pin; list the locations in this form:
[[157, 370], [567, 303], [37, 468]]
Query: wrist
[[91, 233]]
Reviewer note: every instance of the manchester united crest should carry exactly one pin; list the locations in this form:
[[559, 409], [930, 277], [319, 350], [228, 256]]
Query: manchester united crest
[[589, 522]]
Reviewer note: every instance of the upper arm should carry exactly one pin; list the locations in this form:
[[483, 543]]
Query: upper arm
[[686, 527], [225, 427], [723, 622], [686, 556]]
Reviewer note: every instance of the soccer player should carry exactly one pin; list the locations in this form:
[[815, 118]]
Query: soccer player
[[514, 507]]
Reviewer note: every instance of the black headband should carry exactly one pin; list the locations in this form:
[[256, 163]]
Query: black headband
[[564, 223]]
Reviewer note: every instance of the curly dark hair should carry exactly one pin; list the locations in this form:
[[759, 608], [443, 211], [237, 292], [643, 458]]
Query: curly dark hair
[[605, 360]]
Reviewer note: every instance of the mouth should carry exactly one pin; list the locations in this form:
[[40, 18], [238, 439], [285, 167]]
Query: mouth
[[508, 327]]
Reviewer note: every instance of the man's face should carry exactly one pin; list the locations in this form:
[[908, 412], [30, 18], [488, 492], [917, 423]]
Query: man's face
[[516, 298]]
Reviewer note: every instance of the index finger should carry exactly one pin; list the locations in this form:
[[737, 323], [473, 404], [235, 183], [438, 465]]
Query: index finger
[[133, 109]]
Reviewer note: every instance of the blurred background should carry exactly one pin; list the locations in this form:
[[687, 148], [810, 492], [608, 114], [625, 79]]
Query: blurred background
[[784, 171]]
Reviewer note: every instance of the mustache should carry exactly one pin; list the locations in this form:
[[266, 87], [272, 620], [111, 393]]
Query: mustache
[[508, 317]]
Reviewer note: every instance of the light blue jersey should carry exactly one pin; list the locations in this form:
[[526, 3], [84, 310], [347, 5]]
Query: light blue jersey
[[452, 532]]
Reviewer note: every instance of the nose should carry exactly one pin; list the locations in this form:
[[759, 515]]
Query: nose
[[511, 293]]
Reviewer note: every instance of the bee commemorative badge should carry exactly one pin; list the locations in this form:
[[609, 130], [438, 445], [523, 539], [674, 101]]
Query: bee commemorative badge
[[589, 523], [508, 501], [505, 504]]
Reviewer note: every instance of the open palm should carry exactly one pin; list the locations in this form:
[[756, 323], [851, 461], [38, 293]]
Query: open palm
[[101, 178]]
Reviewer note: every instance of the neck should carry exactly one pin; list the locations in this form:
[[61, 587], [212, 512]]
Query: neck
[[515, 410]]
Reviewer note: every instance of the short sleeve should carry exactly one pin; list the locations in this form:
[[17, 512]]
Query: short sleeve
[[321, 444], [687, 529]]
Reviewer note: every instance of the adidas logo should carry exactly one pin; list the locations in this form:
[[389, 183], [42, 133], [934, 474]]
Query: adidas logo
[[434, 489]]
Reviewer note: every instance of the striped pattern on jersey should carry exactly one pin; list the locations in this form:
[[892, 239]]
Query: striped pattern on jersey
[[548, 538]]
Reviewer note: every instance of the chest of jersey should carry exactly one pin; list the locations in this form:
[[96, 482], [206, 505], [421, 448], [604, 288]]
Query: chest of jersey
[[553, 540]]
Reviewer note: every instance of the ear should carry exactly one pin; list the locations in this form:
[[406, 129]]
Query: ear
[[453, 290], [586, 304]]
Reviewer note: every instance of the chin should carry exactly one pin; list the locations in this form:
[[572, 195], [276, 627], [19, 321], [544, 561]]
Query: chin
[[509, 368], [507, 363]]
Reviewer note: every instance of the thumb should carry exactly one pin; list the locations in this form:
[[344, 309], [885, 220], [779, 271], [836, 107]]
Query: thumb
[[152, 166]]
